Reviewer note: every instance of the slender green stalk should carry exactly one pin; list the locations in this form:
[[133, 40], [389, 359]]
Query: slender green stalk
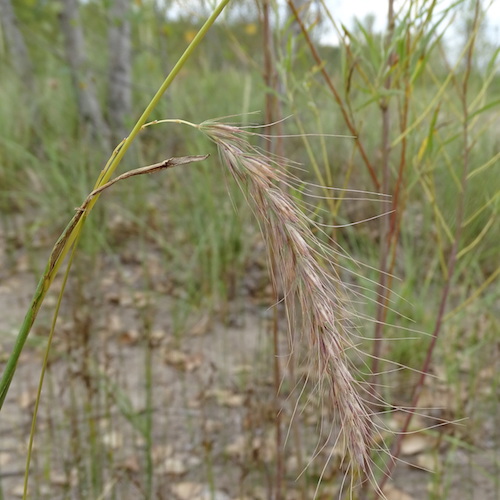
[[42, 374], [148, 418], [73, 229], [146, 317]]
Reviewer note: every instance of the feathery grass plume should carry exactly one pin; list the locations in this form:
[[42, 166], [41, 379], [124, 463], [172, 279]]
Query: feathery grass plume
[[306, 285]]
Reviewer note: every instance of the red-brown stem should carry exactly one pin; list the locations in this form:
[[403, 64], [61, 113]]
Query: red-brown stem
[[270, 75], [274, 146], [382, 293], [397, 204], [396, 216], [452, 259], [280, 462], [397, 209], [350, 125], [267, 39], [394, 229]]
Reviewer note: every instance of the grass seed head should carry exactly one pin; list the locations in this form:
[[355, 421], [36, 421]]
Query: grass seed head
[[293, 246]]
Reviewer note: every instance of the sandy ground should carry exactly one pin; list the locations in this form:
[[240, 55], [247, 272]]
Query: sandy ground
[[212, 433]]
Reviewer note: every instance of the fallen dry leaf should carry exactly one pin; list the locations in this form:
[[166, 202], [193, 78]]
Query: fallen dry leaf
[[237, 448], [129, 337], [141, 300], [181, 360], [111, 297], [186, 491], [201, 327], [193, 362], [157, 336], [160, 452], [393, 493], [175, 358], [27, 398], [398, 418], [227, 398], [212, 426], [115, 324], [416, 443], [5, 458], [58, 478], [264, 447], [23, 263], [195, 491], [112, 440], [173, 466], [427, 461], [126, 301], [129, 464]]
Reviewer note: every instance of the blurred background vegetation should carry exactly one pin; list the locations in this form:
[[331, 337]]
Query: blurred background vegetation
[[171, 270]]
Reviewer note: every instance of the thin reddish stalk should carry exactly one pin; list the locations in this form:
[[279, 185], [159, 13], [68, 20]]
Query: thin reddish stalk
[[271, 112], [350, 125], [396, 215], [382, 291], [397, 206], [268, 61], [270, 75], [280, 462]]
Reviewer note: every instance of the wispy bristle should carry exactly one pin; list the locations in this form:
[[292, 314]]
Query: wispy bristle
[[294, 248]]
